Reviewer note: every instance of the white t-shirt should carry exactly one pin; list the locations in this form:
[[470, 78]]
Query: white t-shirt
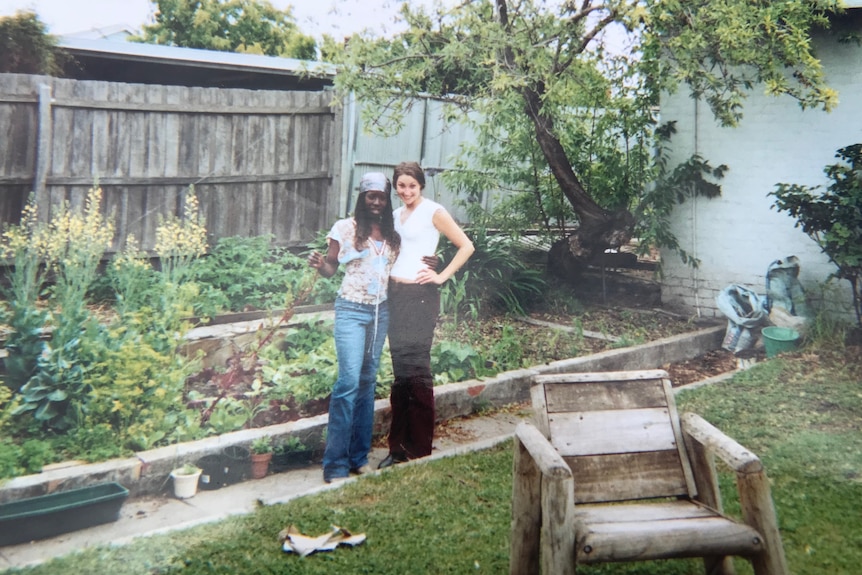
[[419, 238]]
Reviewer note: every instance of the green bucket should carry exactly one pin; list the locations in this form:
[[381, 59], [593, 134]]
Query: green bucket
[[779, 339]]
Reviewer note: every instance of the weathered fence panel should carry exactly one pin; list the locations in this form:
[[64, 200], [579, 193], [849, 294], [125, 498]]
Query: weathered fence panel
[[261, 162]]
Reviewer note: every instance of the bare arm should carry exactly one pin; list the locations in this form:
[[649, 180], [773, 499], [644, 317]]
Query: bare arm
[[447, 225], [326, 265]]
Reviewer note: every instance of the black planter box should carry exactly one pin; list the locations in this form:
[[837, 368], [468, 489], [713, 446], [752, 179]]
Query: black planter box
[[50, 515], [291, 460], [230, 466]]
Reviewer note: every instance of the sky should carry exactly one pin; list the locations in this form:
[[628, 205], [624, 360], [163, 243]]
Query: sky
[[337, 18]]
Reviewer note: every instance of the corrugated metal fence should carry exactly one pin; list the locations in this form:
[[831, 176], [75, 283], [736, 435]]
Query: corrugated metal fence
[[427, 137], [261, 162]]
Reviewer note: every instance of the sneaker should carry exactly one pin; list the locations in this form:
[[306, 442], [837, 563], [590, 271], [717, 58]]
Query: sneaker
[[334, 479], [362, 470]]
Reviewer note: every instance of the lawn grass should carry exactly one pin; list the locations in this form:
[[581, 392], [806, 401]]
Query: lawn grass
[[801, 413]]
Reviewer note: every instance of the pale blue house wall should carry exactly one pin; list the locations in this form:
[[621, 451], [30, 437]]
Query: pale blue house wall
[[737, 235]]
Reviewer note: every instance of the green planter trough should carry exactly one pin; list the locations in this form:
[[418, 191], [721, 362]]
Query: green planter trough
[[57, 513]]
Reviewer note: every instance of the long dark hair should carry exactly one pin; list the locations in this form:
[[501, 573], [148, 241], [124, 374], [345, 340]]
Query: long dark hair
[[409, 169], [364, 219]]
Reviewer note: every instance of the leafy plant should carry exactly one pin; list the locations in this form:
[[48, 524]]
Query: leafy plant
[[307, 376], [290, 445], [10, 460], [304, 364], [36, 453], [453, 298], [94, 443], [26, 282], [225, 417], [240, 273], [72, 244], [132, 282], [245, 272], [186, 469], [824, 330], [497, 275], [507, 351], [262, 445], [456, 361], [691, 178], [110, 385], [136, 380], [245, 362], [833, 218]]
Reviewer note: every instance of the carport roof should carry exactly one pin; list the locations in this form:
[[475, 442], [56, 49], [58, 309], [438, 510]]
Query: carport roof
[[109, 60]]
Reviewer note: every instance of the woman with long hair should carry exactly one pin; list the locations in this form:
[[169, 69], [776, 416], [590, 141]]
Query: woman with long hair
[[368, 245], [414, 303]]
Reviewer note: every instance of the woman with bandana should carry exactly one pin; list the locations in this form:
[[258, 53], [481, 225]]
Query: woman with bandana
[[368, 245]]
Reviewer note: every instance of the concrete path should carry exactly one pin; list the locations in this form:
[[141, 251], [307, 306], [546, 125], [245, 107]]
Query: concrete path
[[151, 515]]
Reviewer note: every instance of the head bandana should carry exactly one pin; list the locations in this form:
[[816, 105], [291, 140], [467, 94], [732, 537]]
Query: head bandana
[[373, 181]]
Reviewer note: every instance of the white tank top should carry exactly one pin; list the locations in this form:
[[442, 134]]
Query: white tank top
[[419, 238]]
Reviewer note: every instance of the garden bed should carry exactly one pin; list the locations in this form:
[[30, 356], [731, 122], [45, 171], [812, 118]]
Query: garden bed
[[500, 343]]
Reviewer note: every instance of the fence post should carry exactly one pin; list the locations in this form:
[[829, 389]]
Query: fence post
[[334, 198], [45, 130]]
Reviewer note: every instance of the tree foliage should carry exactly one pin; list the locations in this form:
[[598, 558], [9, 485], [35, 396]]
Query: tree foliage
[[27, 48], [250, 26], [566, 124], [833, 218]]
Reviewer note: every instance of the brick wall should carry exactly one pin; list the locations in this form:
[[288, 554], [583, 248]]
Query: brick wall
[[737, 235]]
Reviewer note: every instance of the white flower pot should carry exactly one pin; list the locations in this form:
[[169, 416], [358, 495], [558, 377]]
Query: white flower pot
[[185, 484]]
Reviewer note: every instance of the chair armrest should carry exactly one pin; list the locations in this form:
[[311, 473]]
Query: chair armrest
[[695, 428], [543, 507], [549, 462], [755, 497]]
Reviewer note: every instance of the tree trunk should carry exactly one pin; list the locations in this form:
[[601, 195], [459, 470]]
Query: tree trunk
[[598, 229]]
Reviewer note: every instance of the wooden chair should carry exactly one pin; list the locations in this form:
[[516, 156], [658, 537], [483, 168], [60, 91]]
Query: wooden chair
[[611, 473]]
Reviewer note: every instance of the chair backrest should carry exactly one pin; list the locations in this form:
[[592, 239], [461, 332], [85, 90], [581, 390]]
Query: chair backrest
[[618, 431]]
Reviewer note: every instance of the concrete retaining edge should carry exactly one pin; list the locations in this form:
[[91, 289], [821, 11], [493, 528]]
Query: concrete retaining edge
[[147, 472]]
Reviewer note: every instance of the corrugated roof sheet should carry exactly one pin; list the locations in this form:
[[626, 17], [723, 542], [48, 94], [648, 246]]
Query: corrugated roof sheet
[[195, 57]]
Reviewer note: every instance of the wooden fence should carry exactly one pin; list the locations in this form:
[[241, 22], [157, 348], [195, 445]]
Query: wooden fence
[[261, 162]]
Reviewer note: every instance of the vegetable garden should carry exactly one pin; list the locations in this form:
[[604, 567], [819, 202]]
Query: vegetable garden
[[95, 367]]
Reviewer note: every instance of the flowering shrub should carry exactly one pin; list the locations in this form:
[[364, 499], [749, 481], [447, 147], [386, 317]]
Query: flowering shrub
[[71, 245], [21, 246], [109, 386]]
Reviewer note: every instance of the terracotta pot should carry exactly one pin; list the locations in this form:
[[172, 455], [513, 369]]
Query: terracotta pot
[[260, 464]]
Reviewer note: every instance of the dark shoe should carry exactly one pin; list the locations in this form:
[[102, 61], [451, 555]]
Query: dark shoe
[[335, 479], [392, 459], [362, 470]]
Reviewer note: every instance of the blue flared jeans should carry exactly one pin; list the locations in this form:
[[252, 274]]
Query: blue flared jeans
[[360, 331]]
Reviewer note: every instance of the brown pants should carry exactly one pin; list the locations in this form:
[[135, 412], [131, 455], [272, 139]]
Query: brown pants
[[413, 311]]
